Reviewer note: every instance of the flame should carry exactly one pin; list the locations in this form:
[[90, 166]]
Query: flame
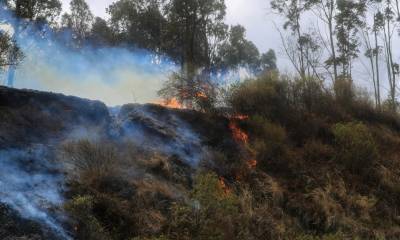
[[240, 117], [172, 103], [201, 95], [252, 163], [238, 135], [223, 185]]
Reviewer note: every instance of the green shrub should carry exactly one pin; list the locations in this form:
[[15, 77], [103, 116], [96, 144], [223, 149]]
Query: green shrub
[[211, 215], [266, 96], [269, 142], [87, 225], [356, 147]]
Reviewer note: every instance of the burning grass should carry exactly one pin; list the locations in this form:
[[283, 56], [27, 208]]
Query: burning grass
[[284, 165]]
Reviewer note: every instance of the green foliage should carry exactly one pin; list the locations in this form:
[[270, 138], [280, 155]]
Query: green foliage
[[211, 215], [237, 52], [10, 53], [79, 21], [39, 10], [210, 193], [81, 209], [269, 141], [356, 146], [266, 96]]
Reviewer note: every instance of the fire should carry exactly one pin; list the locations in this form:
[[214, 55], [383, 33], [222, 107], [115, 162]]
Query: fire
[[201, 95], [252, 163], [172, 103], [241, 117], [223, 185], [238, 135], [241, 137]]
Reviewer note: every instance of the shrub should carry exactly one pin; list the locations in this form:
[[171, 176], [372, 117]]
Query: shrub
[[269, 142], [356, 147], [266, 96], [314, 150], [91, 161], [344, 91], [87, 226], [211, 215]]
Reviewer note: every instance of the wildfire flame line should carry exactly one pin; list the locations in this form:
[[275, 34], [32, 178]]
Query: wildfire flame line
[[241, 137]]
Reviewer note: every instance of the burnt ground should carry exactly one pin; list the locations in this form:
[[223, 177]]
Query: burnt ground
[[30, 118]]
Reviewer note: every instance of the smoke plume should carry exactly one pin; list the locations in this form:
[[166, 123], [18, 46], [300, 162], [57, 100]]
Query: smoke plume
[[114, 75]]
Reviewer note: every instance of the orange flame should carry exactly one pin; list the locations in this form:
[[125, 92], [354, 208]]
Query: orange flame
[[223, 185], [238, 134], [240, 117], [172, 103], [201, 95], [252, 163]]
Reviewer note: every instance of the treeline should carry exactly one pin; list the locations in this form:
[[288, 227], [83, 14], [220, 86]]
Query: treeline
[[348, 35], [192, 33]]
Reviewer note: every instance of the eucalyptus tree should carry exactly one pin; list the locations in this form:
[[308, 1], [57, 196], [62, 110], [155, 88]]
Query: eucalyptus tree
[[388, 25], [141, 24], [326, 11], [349, 19], [79, 21], [25, 12], [292, 11], [10, 53]]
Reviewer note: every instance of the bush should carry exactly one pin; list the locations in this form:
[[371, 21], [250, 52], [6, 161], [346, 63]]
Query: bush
[[315, 150], [266, 96], [269, 142], [356, 147], [91, 161], [87, 226], [211, 215]]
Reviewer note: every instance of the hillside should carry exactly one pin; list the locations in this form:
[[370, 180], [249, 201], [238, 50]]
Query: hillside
[[286, 160]]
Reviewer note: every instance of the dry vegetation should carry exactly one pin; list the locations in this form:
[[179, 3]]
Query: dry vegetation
[[327, 168]]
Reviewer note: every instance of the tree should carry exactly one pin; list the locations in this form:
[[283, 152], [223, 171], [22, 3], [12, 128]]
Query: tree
[[292, 11], [197, 28], [325, 10], [196, 25], [268, 61], [26, 11], [348, 18], [238, 52], [101, 33], [141, 24], [10, 54], [388, 16], [79, 20], [35, 10]]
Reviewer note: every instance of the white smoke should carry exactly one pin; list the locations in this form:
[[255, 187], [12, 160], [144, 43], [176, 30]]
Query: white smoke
[[31, 184]]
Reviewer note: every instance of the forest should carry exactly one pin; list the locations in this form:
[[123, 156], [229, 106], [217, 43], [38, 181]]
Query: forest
[[234, 148]]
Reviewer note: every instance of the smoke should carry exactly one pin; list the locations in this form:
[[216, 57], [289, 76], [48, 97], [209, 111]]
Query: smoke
[[31, 184], [161, 131], [114, 75]]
